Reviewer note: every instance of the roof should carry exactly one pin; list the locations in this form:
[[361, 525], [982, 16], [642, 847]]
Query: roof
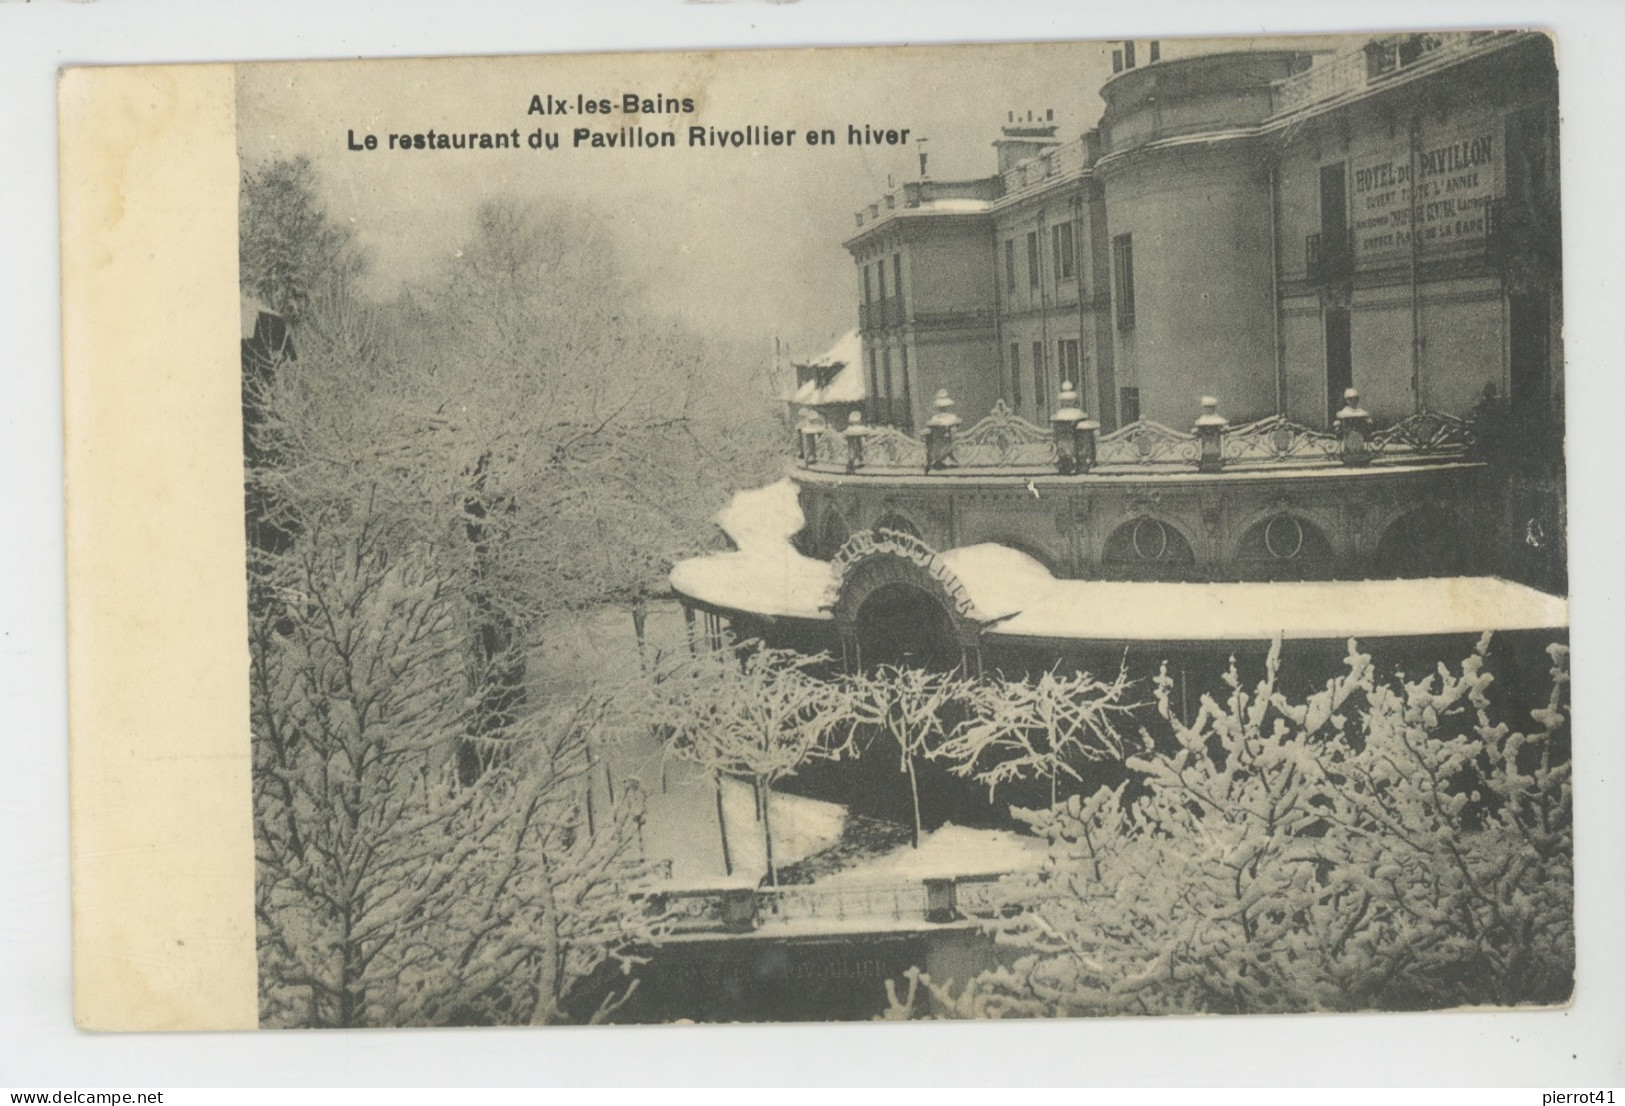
[[766, 575], [847, 350], [1016, 597], [847, 385]]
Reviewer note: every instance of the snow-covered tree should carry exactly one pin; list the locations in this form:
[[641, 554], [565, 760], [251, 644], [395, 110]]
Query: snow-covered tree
[[910, 707], [1379, 845], [289, 247], [530, 414], [756, 714], [388, 891], [1039, 728]]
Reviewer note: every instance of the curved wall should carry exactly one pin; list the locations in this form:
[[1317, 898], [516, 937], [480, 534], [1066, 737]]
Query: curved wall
[[1328, 524], [1199, 218], [1211, 92]]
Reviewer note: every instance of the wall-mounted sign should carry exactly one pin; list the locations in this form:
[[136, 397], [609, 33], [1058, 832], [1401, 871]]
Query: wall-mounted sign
[[1444, 203]]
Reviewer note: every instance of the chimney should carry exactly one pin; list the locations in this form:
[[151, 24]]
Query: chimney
[[1021, 139]]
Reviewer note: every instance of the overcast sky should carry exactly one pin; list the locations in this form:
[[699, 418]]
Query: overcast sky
[[746, 243]]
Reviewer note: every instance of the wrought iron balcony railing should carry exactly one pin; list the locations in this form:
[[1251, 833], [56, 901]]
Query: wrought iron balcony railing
[[1005, 443], [882, 313], [1378, 60], [1329, 257]]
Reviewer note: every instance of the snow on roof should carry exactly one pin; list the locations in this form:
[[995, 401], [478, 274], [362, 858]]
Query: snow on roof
[[1020, 598], [848, 350], [763, 518], [1001, 581], [847, 385], [955, 206], [789, 586], [949, 851], [767, 575], [1109, 610]]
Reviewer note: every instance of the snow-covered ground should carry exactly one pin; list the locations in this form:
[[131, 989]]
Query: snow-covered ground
[[682, 828], [950, 851], [681, 824]]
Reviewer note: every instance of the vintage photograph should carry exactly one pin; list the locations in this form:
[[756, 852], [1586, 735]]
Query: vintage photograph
[[1057, 530]]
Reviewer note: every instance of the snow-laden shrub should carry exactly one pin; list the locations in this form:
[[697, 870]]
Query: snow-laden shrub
[[1377, 846], [750, 712]]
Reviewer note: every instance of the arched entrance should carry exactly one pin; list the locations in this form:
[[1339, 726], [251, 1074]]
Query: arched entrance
[[895, 601], [903, 625]]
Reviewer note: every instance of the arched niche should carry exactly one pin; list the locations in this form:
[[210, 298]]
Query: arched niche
[[1426, 541], [1148, 548], [1284, 546]]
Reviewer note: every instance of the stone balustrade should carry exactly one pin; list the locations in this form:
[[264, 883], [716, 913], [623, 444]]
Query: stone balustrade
[[1004, 442]]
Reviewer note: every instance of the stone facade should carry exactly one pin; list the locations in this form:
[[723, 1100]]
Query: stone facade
[[1266, 227]]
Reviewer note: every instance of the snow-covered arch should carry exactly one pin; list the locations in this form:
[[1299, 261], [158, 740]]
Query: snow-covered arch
[[874, 563]]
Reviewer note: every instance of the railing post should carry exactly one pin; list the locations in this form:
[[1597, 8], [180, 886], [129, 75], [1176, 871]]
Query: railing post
[[854, 434], [1088, 434], [807, 431], [1353, 431], [739, 909], [1210, 436], [939, 431], [1064, 426]]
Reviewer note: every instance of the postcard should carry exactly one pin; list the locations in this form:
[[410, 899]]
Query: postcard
[[1058, 530]]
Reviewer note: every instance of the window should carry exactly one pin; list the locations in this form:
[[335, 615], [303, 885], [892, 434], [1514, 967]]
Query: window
[[885, 372], [1123, 257], [1065, 258], [880, 280], [1015, 375], [1040, 379], [1066, 356], [874, 380], [868, 296], [1129, 406], [908, 397], [1032, 258], [1010, 264], [897, 275]]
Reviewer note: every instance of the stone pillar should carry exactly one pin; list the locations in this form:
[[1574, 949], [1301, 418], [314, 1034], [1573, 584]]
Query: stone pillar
[[1210, 436]]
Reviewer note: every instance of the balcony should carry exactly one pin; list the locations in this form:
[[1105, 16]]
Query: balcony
[[1379, 60], [1329, 257], [880, 314], [1264, 500], [888, 411]]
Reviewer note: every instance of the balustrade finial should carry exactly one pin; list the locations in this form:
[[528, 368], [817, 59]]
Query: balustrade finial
[[945, 415], [1353, 426], [939, 431], [854, 434], [1210, 436]]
